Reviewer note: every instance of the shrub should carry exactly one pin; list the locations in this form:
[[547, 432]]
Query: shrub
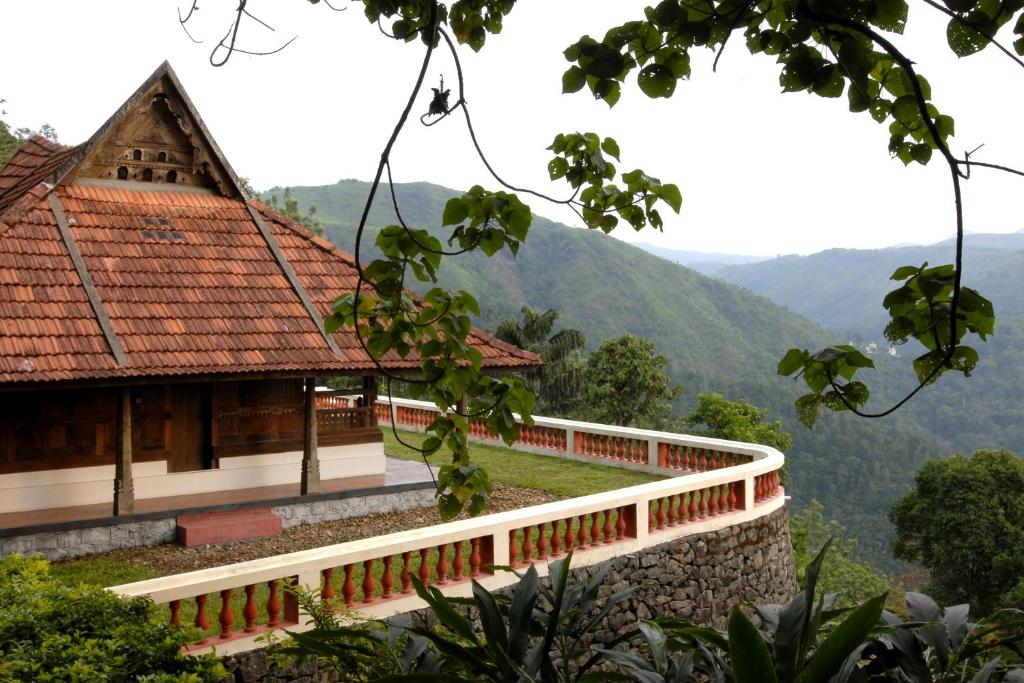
[[54, 632]]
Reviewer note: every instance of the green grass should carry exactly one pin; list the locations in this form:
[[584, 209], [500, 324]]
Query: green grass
[[526, 470], [101, 571]]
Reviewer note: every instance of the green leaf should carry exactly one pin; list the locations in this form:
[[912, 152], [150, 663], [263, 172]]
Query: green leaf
[[751, 661], [573, 79], [792, 361], [843, 640], [671, 195], [656, 80], [455, 211], [610, 147], [964, 40], [557, 168]]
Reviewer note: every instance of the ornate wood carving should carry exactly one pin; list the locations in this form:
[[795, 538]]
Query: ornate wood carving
[[160, 143]]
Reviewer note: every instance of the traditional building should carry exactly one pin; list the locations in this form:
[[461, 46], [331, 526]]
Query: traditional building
[[160, 331]]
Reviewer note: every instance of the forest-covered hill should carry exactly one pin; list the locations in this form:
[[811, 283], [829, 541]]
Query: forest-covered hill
[[717, 337], [842, 289]]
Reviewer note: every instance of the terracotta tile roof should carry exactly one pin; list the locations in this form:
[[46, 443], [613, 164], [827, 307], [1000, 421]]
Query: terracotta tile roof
[[187, 281], [34, 161]]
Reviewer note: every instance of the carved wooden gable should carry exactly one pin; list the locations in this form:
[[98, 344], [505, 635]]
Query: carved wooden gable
[[159, 141]]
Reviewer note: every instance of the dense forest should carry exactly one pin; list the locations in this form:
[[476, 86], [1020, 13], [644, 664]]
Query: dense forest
[[718, 338]]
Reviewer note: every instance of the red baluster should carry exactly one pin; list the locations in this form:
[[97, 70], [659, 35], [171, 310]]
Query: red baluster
[[527, 546], [513, 548], [595, 530], [693, 509], [474, 557], [328, 592], [250, 612], [608, 528], [348, 587], [556, 540], [662, 515], [457, 562], [273, 605], [202, 621], [581, 533], [424, 566], [713, 501], [620, 524], [686, 457], [368, 583], [671, 519], [703, 464], [542, 543], [570, 536], [732, 496], [175, 609], [702, 504], [226, 617], [405, 576], [387, 579], [442, 564]]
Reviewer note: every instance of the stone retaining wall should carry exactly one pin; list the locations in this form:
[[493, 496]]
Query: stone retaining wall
[[63, 544], [699, 578]]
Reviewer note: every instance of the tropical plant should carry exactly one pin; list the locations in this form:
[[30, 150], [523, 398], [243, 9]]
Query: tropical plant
[[624, 383], [524, 633], [50, 631], [964, 521], [354, 649], [557, 384]]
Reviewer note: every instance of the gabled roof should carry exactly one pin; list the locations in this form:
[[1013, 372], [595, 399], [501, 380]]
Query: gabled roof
[[103, 279]]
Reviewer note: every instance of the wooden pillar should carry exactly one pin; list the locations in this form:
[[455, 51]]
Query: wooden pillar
[[310, 482], [370, 399], [124, 485]]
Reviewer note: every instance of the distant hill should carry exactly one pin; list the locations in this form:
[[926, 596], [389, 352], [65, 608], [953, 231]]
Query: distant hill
[[717, 337], [842, 289], [707, 263]]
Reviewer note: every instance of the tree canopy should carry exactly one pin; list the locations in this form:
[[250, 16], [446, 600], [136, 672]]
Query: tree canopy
[[558, 383], [964, 521], [624, 383]]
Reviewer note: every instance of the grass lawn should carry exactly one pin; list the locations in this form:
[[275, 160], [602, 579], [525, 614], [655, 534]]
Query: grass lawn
[[526, 470]]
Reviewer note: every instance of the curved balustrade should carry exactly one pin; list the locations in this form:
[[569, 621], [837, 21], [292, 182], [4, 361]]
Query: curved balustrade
[[711, 484]]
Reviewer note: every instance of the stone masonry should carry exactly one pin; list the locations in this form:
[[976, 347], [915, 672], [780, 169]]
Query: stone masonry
[[697, 578]]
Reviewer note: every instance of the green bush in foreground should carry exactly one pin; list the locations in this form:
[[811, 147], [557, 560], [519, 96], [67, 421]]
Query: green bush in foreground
[[53, 632]]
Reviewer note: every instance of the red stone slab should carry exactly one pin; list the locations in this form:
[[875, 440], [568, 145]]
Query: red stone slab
[[225, 527]]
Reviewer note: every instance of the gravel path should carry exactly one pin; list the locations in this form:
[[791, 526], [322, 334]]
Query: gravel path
[[174, 559]]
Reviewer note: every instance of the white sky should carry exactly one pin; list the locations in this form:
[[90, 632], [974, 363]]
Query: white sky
[[760, 172]]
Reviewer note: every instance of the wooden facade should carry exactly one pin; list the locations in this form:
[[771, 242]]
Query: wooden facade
[[189, 425]]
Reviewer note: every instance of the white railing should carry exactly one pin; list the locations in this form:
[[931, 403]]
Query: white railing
[[711, 484]]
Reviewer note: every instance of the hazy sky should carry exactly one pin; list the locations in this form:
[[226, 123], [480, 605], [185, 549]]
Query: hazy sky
[[760, 172]]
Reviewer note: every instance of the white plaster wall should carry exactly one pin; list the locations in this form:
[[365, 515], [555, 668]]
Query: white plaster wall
[[24, 491]]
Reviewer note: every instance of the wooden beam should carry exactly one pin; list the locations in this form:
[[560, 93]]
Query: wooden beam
[[310, 482], [292, 278], [124, 484], [83, 274]]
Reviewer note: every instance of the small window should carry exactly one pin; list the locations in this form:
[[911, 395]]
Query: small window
[[137, 155], [122, 173], [172, 177], [147, 175], [162, 156]]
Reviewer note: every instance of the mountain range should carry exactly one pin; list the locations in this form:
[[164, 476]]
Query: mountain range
[[726, 337]]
